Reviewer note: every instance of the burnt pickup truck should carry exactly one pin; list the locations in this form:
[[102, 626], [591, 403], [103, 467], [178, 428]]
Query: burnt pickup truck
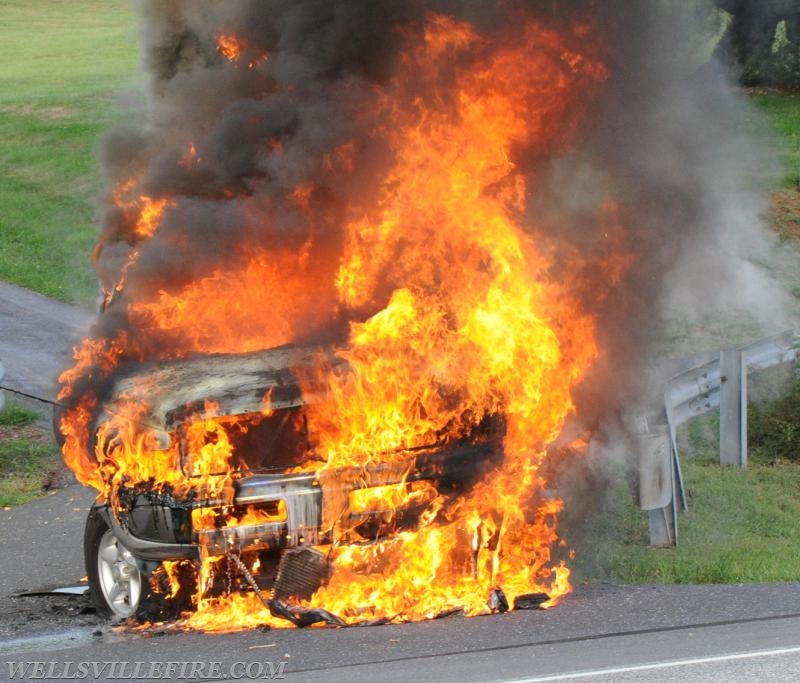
[[276, 499]]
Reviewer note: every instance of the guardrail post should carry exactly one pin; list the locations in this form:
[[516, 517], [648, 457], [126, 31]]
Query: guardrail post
[[680, 489], [733, 409], [655, 460], [657, 485]]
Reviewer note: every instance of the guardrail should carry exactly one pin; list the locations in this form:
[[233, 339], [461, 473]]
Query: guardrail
[[712, 380], [698, 389], [2, 393]]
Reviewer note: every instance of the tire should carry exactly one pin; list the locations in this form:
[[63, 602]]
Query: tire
[[116, 584], [58, 413], [120, 589]]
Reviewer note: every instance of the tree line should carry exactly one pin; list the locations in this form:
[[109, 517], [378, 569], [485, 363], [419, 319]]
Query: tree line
[[763, 40]]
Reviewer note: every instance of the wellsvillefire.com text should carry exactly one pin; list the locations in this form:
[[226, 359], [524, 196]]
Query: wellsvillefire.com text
[[120, 671]]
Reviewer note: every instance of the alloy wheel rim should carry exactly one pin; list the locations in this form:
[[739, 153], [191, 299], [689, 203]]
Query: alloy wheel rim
[[120, 578]]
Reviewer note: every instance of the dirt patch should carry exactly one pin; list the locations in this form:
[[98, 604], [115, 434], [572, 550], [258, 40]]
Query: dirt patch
[[772, 90], [33, 432], [49, 471], [39, 112], [785, 213]]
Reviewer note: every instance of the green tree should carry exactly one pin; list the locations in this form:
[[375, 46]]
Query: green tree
[[764, 40]]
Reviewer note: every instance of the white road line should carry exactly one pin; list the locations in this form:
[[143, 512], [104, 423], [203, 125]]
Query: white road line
[[659, 665]]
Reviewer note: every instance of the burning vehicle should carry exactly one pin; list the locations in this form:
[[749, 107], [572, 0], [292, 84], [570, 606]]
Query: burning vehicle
[[395, 473], [263, 502], [362, 262]]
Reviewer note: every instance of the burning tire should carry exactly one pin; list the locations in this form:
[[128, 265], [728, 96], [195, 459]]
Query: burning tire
[[58, 413], [116, 583]]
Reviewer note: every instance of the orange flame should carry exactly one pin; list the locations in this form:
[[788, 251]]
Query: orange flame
[[229, 46]]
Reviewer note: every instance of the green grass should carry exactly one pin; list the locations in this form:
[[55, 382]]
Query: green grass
[[773, 429], [27, 455], [16, 415], [741, 526], [23, 464], [783, 112], [64, 65]]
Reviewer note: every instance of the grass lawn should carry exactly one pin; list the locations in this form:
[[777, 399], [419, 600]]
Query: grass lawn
[[65, 65], [741, 526], [783, 112], [29, 457]]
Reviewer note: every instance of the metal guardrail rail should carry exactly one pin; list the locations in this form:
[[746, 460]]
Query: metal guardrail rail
[[716, 381], [698, 389]]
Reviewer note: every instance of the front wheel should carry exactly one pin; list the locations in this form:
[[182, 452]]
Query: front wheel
[[115, 581]]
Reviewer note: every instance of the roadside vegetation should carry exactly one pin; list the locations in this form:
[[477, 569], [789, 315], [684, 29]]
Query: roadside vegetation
[[67, 75], [783, 110], [741, 526], [29, 459]]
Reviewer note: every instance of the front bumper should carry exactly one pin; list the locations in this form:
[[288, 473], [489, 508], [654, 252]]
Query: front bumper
[[159, 527], [153, 528]]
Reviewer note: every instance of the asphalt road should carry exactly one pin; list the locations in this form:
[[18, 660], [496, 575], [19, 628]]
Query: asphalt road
[[663, 633], [601, 632], [36, 338], [605, 633]]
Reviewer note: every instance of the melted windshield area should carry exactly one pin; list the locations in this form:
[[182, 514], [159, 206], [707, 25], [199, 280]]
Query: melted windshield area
[[255, 441]]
